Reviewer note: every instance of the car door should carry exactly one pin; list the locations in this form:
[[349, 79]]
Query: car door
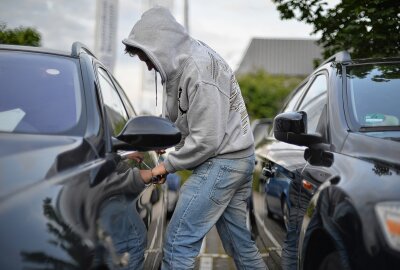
[[307, 178], [135, 221], [315, 104], [153, 201], [278, 161], [280, 158]]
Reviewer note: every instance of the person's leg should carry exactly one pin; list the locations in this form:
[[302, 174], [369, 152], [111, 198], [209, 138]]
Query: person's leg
[[231, 226], [199, 206], [119, 219]]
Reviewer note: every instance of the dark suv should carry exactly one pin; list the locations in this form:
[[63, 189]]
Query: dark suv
[[338, 143], [69, 197]]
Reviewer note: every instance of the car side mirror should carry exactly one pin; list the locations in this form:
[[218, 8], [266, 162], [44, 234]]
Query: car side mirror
[[291, 127], [147, 133]]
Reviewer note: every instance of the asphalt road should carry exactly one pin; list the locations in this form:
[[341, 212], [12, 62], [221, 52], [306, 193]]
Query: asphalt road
[[269, 242]]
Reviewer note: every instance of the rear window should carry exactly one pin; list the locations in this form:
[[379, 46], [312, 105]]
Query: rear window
[[374, 94], [39, 93]]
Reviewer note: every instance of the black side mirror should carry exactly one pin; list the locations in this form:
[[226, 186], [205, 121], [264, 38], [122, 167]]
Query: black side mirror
[[146, 133], [291, 127]]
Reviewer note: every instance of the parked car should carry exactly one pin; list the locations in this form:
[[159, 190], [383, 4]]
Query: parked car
[[276, 200], [273, 183], [69, 197], [338, 143]]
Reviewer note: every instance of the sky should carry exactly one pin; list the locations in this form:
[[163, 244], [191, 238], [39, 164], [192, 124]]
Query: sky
[[225, 25]]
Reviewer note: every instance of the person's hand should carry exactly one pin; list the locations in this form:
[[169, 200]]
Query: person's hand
[[160, 173], [157, 175], [159, 169], [159, 179], [146, 176], [136, 156]]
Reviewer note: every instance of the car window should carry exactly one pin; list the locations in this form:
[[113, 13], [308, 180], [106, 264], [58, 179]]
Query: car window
[[293, 100], [374, 94], [318, 87], [115, 110], [40, 93], [128, 105], [314, 101]]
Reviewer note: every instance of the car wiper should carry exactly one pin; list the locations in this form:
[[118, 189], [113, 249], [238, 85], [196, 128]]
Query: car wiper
[[379, 128]]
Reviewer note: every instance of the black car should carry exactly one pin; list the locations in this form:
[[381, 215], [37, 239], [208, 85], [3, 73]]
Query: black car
[[338, 143], [70, 198]]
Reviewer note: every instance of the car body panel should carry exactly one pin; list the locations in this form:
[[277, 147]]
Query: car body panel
[[63, 195], [336, 200], [276, 192]]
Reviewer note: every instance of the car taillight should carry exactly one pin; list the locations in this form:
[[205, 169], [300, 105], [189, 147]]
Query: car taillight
[[389, 218]]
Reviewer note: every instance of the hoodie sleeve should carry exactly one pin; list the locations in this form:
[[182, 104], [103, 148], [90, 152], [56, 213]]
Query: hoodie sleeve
[[207, 118]]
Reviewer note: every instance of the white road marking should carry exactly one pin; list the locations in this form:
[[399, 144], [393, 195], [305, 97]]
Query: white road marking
[[269, 235], [206, 262]]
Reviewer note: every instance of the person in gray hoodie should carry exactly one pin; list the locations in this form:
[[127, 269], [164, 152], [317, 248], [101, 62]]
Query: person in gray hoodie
[[203, 99]]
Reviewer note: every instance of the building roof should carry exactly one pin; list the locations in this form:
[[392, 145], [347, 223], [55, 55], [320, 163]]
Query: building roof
[[280, 56]]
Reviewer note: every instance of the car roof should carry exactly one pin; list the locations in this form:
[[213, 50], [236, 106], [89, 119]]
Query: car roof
[[76, 49], [33, 49], [374, 60]]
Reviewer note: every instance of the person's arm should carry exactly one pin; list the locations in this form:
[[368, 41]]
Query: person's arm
[[207, 119]]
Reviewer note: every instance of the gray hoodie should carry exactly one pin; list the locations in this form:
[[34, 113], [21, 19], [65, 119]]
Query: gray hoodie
[[203, 98]]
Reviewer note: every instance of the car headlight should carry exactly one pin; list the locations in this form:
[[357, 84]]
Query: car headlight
[[389, 218]]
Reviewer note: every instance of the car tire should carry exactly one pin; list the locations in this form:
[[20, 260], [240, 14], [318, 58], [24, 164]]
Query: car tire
[[285, 213], [331, 262], [268, 212]]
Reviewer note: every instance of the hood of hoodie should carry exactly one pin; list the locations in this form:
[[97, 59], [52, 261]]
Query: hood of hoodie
[[165, 41]]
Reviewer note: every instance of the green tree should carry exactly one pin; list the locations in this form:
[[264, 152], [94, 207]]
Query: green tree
[[264, 94], [19, 36], [367, 28]]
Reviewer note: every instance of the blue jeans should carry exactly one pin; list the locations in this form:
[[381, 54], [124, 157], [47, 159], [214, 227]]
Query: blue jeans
[[215, 194], [119, 219]]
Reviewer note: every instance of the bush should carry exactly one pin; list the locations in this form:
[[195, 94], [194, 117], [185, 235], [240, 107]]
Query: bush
[[264, 94]]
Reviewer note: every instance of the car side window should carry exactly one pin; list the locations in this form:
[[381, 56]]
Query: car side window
[[314, 102], [115, 110], [293, 100], [128, 106]]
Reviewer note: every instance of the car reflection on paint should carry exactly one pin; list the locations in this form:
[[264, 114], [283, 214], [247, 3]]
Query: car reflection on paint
[[338, 141], [273, 180], [69, 197]]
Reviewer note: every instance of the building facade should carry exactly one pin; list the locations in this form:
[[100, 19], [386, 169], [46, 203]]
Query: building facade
[[280, 56], [106, 32]]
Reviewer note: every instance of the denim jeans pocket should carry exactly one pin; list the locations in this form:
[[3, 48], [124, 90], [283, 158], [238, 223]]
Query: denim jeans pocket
[[203, 170], [226, 184]]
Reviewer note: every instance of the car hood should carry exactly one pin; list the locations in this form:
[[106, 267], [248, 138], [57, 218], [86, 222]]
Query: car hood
[[375, 149], [26, 159]]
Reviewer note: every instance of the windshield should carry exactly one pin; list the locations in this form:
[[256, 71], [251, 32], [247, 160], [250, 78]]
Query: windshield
[[39, 93], [374, 95]]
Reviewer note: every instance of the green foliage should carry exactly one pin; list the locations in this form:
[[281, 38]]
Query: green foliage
[[364, 28], [184, 175], [19, 36], [264, 94]]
